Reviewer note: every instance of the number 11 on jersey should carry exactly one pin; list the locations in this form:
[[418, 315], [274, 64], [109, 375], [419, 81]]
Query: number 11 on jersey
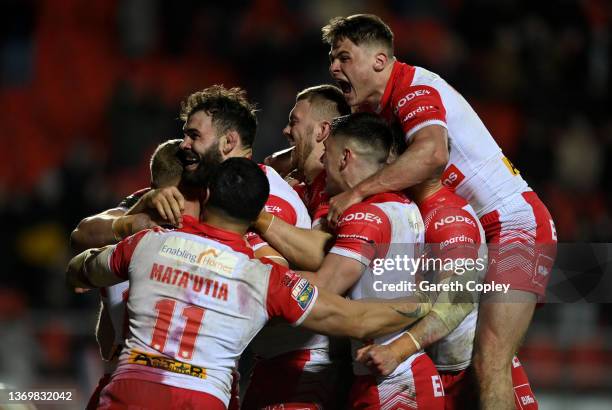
[[193, 320]]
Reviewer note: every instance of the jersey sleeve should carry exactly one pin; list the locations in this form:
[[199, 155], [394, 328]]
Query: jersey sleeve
[[254, 240], [130, 200], [320, 213], [281, 208], [289, 295], [453, 233], [300, 189], [418, 106], [121, 256], [364, 231]]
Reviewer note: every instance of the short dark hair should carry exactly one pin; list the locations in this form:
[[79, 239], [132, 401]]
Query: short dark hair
[[369, 131], [238, 188], [327, 98], [359, 28], [166, 167], [229, 109]]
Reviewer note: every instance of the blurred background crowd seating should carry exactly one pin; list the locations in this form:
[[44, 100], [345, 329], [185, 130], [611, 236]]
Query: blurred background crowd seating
[[89, 88]]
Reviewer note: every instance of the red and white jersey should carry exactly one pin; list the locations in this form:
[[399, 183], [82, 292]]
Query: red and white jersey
[[383, 227], [277, 338], [284, 203], [315, 197], [452, 231], [196, 299], [477, 169]]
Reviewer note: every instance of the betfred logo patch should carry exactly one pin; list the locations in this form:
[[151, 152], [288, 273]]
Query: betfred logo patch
[[303, 292], [452, 177]]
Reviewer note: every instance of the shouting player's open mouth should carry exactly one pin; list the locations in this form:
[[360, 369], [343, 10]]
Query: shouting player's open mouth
[[345, 86], [190, 160]]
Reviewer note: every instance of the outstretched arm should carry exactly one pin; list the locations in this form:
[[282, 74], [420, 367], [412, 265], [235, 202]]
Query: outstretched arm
[[447, 313], [96, 230], [304, 248], [337, 316], [90, 269]]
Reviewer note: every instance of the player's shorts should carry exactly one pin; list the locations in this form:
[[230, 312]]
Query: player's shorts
[[419, 387], [303, 376], [92, 404], [461, 391], [127, 394], [522, 244]]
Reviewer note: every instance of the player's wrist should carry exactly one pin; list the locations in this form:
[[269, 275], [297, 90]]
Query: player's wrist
[[359, 192], [405, 346], [400, 350]]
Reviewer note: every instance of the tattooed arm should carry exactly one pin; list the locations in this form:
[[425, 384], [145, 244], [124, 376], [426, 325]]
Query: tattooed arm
[[337, 316]]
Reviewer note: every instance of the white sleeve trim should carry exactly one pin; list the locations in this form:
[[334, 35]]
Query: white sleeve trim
[[308, 309], [259, 246], [423, 125], [350, 254]]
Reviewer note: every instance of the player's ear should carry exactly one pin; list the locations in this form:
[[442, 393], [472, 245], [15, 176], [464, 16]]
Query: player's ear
[[229, 141], [346, 157], [204, 198], [380, 61], [324, 130]]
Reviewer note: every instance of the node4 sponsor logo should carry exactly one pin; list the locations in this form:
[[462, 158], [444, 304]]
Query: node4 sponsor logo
[[410, 96], [453, 219], [199, 254], [362, 216], [273, 209]]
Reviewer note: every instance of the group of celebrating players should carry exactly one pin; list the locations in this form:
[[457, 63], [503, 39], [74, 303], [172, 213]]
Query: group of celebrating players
[[390, 163]]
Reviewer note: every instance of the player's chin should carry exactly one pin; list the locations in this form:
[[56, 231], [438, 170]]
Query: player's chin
[[191, 167], [351, 98]]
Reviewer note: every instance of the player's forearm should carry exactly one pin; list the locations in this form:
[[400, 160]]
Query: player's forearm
[[446, 314], [90, 269], [95, 231], [379, 317], [426, 332], [425, 157], [304, 248], [383, 317]]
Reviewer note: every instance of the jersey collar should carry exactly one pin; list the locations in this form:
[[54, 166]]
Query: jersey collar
[[231, 239], [401, 72], [387, 197], [442, 197]]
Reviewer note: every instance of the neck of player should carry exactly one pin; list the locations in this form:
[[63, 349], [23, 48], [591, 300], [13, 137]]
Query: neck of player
[[219, 219], [424, 190]]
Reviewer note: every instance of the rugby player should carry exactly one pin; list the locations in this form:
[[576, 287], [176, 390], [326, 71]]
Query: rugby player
[[165, 170], [295, 366], [382, 226], [434, 117], [197, 297]]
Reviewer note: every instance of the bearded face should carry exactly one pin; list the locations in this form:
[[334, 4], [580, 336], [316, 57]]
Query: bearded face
[[199, 152]]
